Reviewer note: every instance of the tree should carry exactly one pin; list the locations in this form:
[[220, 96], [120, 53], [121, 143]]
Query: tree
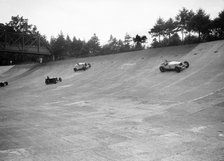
[[93, 45], [120, 45], [68, 43], [78, 48], [170, 28], [183, 18], [58, 46], [138, 41], [200, 23], [113, 46], [20, 25], [218, 26], [174, 40], [127, 41], [155, 43], [158, 29], [188, 27]]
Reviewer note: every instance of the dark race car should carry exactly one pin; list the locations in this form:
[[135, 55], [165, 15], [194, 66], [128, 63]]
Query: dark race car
[[2, 84], [173, 66], [52, 80], [82, 66]]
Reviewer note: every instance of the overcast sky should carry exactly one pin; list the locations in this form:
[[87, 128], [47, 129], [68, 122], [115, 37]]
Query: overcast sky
[[83, 18]]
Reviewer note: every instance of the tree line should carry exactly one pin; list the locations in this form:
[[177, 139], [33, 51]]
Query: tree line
[[63, 46], [187, 27], [193, 27]]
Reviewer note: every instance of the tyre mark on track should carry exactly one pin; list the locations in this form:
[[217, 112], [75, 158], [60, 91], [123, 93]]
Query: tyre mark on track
[[201, 97]]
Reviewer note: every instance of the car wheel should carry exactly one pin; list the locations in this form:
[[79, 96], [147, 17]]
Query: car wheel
[[6, 83], [60, 80], [75, 69], [177, 69], [162, 69], [186, 64]]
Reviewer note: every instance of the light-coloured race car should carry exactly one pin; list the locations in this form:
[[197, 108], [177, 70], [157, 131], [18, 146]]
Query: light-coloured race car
[[82, 66], [173, 66]]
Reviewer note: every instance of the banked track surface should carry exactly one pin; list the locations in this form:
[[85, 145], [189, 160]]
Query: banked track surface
[[123, 108]]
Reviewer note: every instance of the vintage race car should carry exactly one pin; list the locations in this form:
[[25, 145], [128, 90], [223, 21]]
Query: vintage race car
[[173, 66], [2, 84], [82, 66], [52, 80]]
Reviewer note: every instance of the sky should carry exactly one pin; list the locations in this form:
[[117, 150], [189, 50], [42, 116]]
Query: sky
[[83, 18]]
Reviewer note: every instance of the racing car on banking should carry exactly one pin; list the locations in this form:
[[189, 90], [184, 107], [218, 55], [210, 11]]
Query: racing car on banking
[[173, 66], [55, 80], [82, 66]]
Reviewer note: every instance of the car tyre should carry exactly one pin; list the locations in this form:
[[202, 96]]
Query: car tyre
[[75, 69], [177, 69], [60, 80], [186, 64], [162, 69]]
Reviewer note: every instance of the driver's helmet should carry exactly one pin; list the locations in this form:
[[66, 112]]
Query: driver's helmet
[[166, 62]]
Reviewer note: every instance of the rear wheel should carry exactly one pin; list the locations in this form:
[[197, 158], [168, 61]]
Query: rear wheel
[[162, 69], [177, 69], [186, 64]]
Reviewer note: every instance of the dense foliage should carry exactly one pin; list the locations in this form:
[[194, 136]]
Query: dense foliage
[[16, 27], [187, 27], [19, 25], [65, 47], [193, 27]]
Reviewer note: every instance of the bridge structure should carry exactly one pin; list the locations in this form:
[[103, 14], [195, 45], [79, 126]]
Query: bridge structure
[[24, 44]]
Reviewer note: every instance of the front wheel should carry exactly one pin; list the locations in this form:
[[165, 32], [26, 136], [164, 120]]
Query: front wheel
[[186, 64], [60, 80], [162, 69]]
